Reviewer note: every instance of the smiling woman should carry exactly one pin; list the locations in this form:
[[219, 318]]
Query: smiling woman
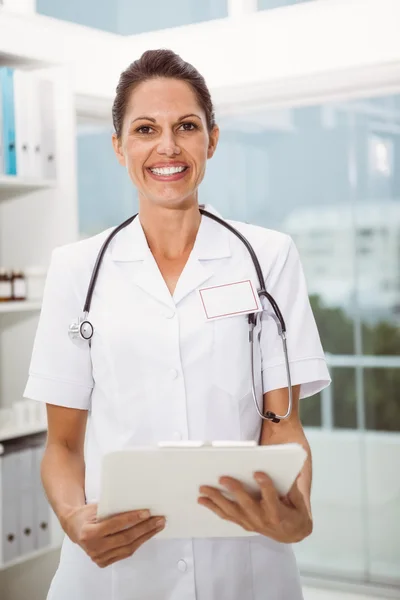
[[159, 368]]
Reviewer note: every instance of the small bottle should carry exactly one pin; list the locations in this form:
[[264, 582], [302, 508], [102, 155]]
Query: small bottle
[[18, 286], [5, 286]]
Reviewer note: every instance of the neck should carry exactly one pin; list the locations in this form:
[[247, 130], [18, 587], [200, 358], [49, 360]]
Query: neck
[[170, 233]]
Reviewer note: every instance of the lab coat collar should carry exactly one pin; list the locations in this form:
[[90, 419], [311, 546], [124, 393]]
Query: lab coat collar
[[212, 241]]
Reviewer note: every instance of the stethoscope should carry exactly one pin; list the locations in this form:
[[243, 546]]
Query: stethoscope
[[82, 329]]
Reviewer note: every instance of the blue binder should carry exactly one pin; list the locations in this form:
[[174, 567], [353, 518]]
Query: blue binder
[[8, 118]]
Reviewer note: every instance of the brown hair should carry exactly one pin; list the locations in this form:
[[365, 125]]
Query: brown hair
[[160, 63]]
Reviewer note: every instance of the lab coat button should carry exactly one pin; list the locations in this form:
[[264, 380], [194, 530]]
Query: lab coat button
[[173, 373], [169, 313], [182, 566]]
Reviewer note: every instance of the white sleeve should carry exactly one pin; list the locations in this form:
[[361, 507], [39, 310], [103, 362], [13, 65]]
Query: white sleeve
[[286, 283], [60, 371]]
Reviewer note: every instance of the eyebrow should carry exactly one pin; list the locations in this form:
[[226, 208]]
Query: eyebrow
[[145, 118]]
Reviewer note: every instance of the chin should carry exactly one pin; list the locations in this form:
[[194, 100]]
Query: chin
[[176, 201]]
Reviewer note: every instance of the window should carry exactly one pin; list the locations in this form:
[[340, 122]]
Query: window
[[267, 4], [128, 18]]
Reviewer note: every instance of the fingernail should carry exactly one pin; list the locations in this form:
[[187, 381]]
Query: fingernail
[[144, 514], [227, 485], [259, 478], [160, 522]]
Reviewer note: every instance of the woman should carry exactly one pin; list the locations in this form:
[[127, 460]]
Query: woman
[[157, 370]]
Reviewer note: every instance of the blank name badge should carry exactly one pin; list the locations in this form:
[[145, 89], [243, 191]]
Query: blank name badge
[[229, 300]]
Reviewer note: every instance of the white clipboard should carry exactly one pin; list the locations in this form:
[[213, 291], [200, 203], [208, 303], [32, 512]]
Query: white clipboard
[[166, 478]]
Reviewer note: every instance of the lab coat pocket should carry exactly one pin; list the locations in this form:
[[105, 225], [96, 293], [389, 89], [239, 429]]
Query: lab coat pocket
[[231, 356]]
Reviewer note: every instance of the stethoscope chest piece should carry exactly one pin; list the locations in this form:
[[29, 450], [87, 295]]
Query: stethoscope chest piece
[[82, 329]]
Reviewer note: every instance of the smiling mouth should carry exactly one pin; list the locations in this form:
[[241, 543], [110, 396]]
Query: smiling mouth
[[167, 171]]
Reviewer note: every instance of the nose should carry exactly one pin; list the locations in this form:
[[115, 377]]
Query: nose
[[167, 145]]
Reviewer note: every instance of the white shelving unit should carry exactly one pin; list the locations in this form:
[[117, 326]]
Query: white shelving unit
[[11, 432], [36, 215], [20, 307], [28, 557], [11, 186]]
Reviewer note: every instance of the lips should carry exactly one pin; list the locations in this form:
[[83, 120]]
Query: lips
[[168, 172]]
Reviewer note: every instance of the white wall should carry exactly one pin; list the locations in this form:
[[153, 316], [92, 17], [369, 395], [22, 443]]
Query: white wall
[[329, 46]]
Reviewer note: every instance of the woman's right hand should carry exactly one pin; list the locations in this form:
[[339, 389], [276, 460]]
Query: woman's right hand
[[112, 539]]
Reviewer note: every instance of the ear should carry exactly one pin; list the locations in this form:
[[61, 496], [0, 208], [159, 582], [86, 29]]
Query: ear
[[213, 141], [116, 142]]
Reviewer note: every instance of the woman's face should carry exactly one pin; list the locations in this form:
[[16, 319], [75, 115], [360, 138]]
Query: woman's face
[[165, 142]]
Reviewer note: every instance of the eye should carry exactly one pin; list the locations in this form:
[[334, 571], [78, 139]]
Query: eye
[[189, 126], [144, 129]]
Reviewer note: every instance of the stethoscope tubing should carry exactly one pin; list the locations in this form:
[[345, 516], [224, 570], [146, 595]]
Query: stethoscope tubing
[[86, 326]]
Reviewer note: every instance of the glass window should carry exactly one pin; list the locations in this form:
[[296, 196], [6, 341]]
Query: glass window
[[128, 18], [139, 17], [106, 195], [100, 15], [267, 4], [298, 178]]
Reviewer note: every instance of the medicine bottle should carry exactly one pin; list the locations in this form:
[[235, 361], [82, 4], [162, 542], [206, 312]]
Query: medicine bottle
[[18, 286], [5, 286]]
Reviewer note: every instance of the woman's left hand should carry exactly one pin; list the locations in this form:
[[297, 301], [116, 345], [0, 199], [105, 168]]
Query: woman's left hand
[[285, 520]]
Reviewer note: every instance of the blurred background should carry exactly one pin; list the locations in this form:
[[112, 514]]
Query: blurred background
[[307, 97]]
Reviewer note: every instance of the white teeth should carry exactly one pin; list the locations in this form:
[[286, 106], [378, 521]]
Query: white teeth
[[167, 170]]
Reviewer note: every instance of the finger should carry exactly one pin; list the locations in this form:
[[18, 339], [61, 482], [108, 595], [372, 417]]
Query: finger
[[121, 521], [245, 500], [207, 503], [267, 488], [269, 496], [228, 507], [128, 536], [123, 552]]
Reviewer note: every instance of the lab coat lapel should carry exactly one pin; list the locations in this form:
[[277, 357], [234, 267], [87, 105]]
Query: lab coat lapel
[[130, 245], [212, 244]]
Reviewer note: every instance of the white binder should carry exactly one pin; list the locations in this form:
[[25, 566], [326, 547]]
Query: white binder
[[36, 168], [10, 539], [166, 480], [1, 133], [26, 516], [42, 507], [48, 125], [22, 99]]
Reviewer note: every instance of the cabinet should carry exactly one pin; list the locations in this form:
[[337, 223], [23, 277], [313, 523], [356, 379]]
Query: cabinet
[[36, 215]]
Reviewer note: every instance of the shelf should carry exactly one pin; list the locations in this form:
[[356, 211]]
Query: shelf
[[11, 432], [31, 556], [12, 185], [20, 306]]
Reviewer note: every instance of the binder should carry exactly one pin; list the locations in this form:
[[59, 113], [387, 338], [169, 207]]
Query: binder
[[41, 505], [8, 119], [26, 506], [22, 101], [1, 134], [46, 99], [34, 127], [10, 540]]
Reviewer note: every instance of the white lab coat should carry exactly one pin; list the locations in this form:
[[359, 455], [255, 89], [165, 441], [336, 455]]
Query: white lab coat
[[157, 370]]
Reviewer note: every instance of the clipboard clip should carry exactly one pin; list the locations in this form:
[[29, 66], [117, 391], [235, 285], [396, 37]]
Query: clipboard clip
[[201, 444]]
